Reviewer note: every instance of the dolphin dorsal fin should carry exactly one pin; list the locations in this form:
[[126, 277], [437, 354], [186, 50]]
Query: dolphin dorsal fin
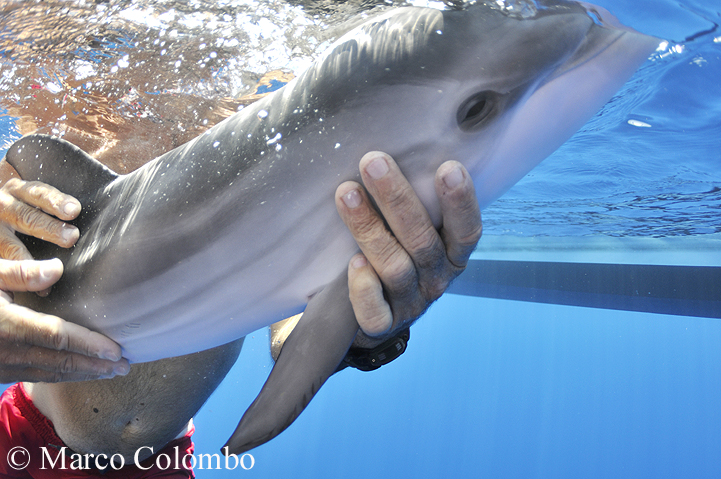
[[60, 164]]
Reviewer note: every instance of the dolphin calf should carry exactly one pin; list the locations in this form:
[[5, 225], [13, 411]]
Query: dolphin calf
[[237, 229]]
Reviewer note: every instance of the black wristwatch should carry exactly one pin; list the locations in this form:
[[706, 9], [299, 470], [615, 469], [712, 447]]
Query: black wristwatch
[[384, 353]]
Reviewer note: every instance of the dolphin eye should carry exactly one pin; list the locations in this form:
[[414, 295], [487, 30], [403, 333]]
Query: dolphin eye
[[474, 110]]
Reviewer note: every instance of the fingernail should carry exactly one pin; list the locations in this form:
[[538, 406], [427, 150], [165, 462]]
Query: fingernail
[[49, 268], [453, 178], [69, 233], [121, 370], [352, 199], [45, 271], [359, 262], [377, 168], [110, 355], [71, 209]]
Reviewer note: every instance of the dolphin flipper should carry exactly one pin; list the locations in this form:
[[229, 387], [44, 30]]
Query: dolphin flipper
[[60, 164], [310, 355]]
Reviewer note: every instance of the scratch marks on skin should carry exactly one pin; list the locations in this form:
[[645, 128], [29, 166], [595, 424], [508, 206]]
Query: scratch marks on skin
[[129, 329]]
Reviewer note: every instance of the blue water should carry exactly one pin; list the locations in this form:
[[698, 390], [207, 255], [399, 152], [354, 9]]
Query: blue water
[[505, 389], [494, 388], [621, 180]]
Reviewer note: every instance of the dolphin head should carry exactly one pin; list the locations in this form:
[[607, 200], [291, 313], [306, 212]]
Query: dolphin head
[[493, 86]]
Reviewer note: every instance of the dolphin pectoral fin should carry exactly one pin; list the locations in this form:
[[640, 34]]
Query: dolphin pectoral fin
[[310, 355], [279, 333], [60, 164]]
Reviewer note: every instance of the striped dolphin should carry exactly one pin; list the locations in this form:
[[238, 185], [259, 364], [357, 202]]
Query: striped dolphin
[[237, 229]]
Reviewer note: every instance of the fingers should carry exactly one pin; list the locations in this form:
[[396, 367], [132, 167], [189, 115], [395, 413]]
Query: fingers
[[34, 375], [35, 346], [409, 263], [10, 245], [29, 275], [40, 195], [372, 312], [39, 210], [408, 221], [23, 325], [389, 268], [388, 257], [31, 343], [54, 366], [462, 226]]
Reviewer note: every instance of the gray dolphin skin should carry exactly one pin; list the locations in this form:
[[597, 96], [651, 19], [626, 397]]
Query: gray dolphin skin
[[238, 229]]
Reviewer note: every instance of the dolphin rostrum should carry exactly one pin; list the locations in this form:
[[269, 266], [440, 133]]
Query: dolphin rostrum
[[237, 229]]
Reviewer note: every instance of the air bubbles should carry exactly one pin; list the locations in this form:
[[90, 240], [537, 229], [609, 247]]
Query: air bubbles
[[274, 141], [665, 49], [262, 114]]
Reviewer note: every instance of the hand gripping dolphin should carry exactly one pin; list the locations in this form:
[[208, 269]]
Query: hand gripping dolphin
[[237, 229]]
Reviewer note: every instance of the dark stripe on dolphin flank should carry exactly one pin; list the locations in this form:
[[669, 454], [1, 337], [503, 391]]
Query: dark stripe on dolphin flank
[[676, 290]]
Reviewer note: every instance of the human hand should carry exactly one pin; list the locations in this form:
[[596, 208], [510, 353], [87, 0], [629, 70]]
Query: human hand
[[403, 270], [35, 346], [405, 266], [38, 210]]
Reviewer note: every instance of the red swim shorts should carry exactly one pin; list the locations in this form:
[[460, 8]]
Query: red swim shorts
[[29, 448]]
